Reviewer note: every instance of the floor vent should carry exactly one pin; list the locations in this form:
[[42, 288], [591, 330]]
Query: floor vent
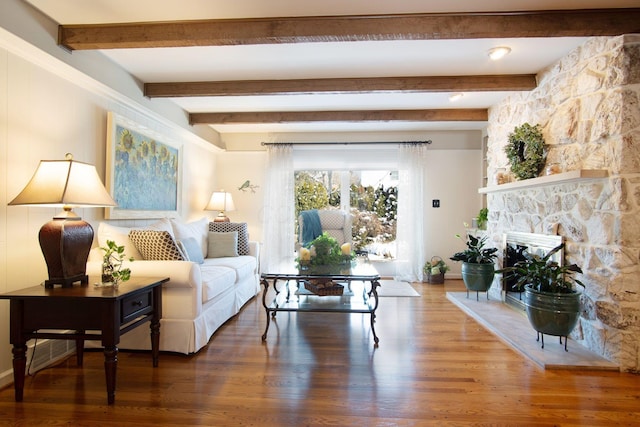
[[47, 352]]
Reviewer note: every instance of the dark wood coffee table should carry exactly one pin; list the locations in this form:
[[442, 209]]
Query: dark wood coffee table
[[83, 308]]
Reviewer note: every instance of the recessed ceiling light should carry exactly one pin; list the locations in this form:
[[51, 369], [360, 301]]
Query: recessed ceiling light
[[456, 96], [499, 52]]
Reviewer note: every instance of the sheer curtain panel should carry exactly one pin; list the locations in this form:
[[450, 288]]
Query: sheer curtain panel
[[410, 232], [278, 224]]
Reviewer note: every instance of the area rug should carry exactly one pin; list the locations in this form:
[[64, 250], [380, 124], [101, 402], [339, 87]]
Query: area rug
[[393, 288]]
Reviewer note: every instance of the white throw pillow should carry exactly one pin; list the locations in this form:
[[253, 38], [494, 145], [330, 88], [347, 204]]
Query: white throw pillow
[[223, 244], [197, 230]]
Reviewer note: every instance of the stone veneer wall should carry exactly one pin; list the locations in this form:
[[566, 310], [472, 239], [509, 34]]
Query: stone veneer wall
[[588, 105]]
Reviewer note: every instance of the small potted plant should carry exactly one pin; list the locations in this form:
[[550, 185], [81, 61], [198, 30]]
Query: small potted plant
[[434, 270], [477, 264], [112, 260], [482, 218], [551, 297]]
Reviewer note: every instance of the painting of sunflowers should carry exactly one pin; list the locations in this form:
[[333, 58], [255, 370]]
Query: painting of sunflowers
[[144, 172]]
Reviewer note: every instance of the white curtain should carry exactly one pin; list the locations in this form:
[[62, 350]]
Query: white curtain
[[410, 231], [279, 211]]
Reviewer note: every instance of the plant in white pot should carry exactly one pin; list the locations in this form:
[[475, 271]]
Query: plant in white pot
[[551, 298], [477, 264]]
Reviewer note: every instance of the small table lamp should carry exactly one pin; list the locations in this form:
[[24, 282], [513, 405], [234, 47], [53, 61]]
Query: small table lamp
[[220, 201], [65, 240]]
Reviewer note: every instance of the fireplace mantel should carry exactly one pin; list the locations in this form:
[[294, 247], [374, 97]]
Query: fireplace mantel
[[560, 178]]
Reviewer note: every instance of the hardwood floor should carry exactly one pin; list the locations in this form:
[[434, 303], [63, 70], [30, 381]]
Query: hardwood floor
[[434, 366]]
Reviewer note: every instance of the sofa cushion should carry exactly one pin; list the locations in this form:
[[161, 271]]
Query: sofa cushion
[[191, 250], [216, 279], [120, 235], [243, 266], [197, 230], [240, 227], [223, 244], [156, 245]]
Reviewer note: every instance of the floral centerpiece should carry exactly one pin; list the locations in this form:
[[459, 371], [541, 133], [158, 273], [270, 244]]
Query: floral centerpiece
[[324, 250]]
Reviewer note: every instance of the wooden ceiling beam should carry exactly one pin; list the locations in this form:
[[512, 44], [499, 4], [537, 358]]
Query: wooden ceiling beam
[[561, 23], [520, 82], [451, 115]]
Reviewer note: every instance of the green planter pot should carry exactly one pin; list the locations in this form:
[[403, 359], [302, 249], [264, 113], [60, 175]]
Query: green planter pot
[[552, 313], [477, 277]]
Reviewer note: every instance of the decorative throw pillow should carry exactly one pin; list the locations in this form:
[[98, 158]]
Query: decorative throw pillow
[[223, 244], [240, 227], [198, 230], [156, 245], [120, 235], [191, 248]]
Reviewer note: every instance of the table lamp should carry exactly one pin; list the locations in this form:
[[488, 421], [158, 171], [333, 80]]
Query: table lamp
[[65, 240], [220, 201]]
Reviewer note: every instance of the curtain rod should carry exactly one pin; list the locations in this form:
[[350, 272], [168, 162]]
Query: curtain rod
[[347, 143]]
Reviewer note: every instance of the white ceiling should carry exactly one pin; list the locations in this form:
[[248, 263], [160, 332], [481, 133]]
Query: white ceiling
[[324, 60]]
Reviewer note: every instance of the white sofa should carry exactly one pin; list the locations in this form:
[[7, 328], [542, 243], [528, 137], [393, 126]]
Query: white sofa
[[199, 297]]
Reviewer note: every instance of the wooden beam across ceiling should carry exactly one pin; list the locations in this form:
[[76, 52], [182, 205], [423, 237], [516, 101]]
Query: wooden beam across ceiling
[[444, 115], [518, 82], [561, 23]]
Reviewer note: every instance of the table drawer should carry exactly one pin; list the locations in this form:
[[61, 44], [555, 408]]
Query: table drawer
[[136, 305]]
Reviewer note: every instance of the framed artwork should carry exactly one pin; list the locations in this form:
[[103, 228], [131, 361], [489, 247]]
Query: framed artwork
[[143, 171]]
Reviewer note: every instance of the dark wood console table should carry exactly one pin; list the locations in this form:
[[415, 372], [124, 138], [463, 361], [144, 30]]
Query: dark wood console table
[[83, 308]]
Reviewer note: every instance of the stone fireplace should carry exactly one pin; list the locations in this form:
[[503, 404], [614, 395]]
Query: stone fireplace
[[588, 105]]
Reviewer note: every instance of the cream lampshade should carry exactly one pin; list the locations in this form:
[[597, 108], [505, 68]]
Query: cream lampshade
[[65, 240], [223, 202]]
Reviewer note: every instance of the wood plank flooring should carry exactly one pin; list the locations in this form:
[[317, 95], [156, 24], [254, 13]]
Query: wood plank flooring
[[434, 366]]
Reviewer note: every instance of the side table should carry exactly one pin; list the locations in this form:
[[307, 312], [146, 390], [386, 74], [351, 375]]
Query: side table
[[83, 308]]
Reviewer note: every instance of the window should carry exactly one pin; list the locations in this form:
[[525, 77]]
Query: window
[[370, 195]]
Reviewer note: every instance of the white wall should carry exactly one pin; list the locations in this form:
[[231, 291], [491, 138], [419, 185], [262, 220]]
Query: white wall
[[44, 116]]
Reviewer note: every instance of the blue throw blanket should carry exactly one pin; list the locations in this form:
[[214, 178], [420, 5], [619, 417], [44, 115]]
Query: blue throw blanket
[[311, 227]]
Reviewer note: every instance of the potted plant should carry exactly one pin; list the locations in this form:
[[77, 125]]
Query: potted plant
[[434, 270], [477, 264], [551, 297], [482, 218], [112, 260]]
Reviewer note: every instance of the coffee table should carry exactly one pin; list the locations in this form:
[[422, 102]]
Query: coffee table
[[291, 294]]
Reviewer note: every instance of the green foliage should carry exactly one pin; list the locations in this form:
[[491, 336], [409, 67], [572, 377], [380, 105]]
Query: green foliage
[[483, 217], [526, 151], [113, 259], [543, 274], [325, 250], [310, 193], [476, 253]]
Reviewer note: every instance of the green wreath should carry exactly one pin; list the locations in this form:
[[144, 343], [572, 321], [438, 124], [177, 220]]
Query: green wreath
[[526, 151]]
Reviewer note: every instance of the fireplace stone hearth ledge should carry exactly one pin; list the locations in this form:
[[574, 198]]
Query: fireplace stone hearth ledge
[[512, 327]]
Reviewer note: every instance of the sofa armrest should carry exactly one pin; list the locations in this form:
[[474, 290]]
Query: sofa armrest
[[254, 251], [182, 294], [181, 274]]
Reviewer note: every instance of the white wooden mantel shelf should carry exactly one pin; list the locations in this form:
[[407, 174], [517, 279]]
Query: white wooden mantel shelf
[[560, 178]]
